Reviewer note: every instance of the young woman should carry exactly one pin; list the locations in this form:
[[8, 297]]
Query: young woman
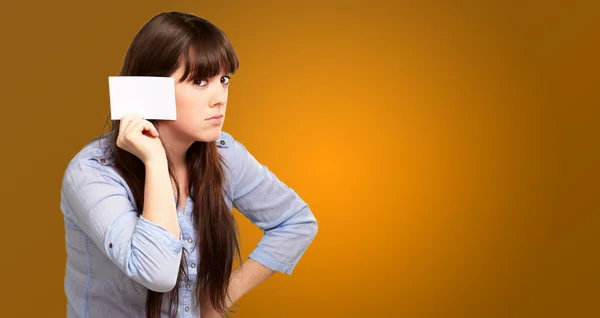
[[147, 206]]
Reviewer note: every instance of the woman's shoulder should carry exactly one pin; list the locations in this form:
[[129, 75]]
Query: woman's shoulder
[[231, 149], [225, 145], [225, 140], [95, 157], [99, 149]]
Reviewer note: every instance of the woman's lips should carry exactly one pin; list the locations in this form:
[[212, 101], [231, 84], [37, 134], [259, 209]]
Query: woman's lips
[[215, 116], [216, 120]]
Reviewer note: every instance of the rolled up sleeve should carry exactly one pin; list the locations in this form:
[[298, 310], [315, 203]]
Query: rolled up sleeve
[[98, 203], [287, 221]]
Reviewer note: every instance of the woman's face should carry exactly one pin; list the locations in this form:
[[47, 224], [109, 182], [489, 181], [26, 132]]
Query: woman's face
[[201, 108]]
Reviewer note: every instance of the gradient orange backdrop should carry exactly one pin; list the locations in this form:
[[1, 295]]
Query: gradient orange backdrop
[[448, 149]]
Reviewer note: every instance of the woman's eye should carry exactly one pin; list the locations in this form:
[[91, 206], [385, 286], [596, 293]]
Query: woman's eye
[[225, 79], [200, 82]]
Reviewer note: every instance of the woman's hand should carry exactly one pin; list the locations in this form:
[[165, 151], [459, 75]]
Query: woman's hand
[[139, 137]]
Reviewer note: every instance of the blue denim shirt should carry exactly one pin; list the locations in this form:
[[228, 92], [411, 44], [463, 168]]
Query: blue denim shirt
[[114, 256]]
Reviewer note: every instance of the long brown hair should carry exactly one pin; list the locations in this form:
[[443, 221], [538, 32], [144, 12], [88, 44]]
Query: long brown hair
[[166, 42]]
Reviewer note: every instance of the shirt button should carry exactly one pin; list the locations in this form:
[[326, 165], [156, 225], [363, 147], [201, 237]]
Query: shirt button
[[187, 308], [222, 142], [187, 286], [102, 160], [190, 240], [193, 265]]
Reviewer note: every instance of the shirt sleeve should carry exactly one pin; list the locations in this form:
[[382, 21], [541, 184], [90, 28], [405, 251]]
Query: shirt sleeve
[[96, 200], [288, 223]]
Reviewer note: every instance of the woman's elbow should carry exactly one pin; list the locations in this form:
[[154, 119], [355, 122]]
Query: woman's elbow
[[314, 227], [162, 283], [311, 227], [159, 275]]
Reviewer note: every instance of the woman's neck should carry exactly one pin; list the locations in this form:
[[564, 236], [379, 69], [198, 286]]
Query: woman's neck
[[176, 153]]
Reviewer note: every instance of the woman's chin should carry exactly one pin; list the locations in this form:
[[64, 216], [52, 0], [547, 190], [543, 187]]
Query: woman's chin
[[210, 135]]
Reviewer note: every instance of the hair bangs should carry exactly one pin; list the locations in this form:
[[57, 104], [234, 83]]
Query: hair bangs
[[208, 56]]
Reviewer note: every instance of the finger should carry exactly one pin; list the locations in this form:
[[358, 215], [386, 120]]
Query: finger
[[123, 122], [151, 128], [126, 120], [131, 125], [143, 125]]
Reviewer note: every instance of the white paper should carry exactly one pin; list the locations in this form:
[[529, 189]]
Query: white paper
[[151, 97]]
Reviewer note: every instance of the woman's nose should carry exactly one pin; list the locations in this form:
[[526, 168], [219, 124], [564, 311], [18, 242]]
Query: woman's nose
[[219, 96]]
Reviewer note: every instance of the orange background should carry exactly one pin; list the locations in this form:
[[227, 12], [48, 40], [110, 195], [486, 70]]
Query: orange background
[[448, 149]]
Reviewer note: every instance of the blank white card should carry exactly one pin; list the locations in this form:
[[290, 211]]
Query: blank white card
[[151, 97]]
